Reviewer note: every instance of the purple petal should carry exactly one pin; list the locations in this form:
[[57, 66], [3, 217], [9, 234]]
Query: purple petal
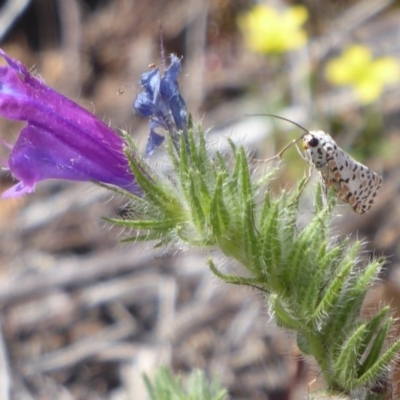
[[17, 190], [174, 68], [150, 81], [145, 101], [62, 140], [169, 90], [144, 105], [38, 155], [162, 101], [153, 142]]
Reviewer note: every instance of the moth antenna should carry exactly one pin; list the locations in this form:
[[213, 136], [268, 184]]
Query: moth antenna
[[292, 143], [282, 118]]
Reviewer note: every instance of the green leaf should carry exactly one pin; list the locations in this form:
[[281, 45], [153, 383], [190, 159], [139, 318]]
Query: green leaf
[[196, 209], [196, 162], [132, 146], [136, 199], [265, 214], [219, 214], [311, 296], [303, 344], [234, 279], [221, 164], [249, 234], [244, 177], [162, 224], [147, 237], [251, 245], [150, 387], [376, 348], [198, 388], [371, 329], [269, 237], [297, 270], [152, 188], [204, 187], [348, 359], [203, 156], [367, 277], [383, 363], [340, 321], [183, 168], [331, 295], [283, 316]]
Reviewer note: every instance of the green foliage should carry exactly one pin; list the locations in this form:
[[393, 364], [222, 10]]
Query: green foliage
[[166, 386], [314, 284]]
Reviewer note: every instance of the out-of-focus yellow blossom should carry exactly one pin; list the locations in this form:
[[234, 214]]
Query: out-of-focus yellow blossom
[[357, 68], [267, 30]]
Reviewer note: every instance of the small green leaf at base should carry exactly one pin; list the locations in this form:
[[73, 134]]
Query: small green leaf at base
[[167, 386]]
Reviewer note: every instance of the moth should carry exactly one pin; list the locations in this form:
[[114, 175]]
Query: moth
[[353, 182]]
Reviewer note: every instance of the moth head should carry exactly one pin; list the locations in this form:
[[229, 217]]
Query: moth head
[[310, 141], [313, 139]]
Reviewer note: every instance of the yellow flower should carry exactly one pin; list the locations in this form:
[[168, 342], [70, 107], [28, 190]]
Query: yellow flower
[[355, 67], [267, 30]]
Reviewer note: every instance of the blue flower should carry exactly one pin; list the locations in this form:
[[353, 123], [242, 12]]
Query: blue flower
[[61, 139], [162, 102]]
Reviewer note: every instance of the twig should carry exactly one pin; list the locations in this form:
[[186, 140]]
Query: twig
[[79, 351], [9, 13], [4, 371]]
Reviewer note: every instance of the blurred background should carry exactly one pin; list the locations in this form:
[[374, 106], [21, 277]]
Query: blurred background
[[83, 316]]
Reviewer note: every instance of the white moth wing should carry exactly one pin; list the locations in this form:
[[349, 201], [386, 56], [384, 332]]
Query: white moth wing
[[352, 181]]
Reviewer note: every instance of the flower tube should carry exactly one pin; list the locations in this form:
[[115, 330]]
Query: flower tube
[[61, 139]]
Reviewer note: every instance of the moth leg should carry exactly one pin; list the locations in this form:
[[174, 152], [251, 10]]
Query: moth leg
[[279, 155], [301, 153]]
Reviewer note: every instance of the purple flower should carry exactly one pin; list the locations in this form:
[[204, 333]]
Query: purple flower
[[162, 102], [61, 139]]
